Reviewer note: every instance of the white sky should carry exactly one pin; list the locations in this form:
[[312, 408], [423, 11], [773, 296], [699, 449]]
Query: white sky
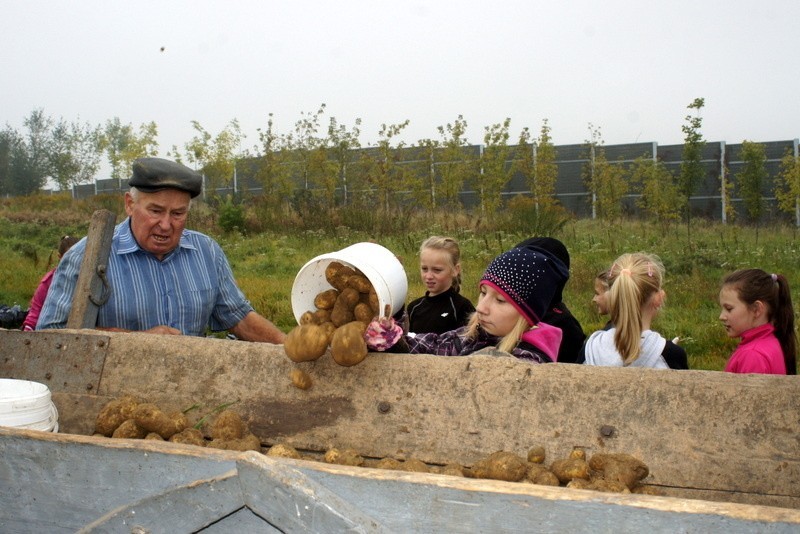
[[629, 67]]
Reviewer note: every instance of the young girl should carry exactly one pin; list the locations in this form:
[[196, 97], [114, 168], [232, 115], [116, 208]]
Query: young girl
[[634, 299], [515, 292], [600, 295], [757, 307], [37, 301], [442, 308]]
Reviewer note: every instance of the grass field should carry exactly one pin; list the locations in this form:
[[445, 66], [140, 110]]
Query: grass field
[[265, 264]]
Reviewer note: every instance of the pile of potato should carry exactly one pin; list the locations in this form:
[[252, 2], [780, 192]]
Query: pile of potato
[[611, 472], [339, 321], [129, 418]]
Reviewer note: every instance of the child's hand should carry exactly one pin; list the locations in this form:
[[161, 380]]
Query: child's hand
[[382, 333]]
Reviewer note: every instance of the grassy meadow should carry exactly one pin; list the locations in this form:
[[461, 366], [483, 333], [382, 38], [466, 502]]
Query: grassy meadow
[[266, 263]]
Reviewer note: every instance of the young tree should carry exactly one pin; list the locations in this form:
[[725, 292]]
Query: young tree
[[343, 145], [660, 198], [692, 171], [122, 145], [595, 154], [455, 166], [385, 174], [75, 154], [751, 180], [495, 173], [32, 160], [787, 188], [546, 170], [216, 158], [272, 171], [424, 189]]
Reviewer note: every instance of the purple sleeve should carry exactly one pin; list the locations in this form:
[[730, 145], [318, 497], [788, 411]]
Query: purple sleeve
[[446, 344]]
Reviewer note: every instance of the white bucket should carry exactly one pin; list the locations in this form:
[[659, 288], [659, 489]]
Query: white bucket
[[25, 404], [379, 265]]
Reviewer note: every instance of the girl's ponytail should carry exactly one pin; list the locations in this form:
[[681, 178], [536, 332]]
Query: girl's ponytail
[[633, 279]]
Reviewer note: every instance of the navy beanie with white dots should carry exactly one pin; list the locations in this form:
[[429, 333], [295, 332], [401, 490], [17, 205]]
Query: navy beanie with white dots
[[528, 277]]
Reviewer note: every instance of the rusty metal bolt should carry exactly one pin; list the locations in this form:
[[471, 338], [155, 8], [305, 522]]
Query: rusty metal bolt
[[48, 376], [58, 345], [607, 431], [384, 407], [101, 344], [89, 387], [27, 342]]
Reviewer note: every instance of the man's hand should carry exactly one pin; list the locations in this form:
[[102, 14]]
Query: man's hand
[[254, 327]]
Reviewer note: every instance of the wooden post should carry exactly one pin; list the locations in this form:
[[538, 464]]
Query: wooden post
[[92, 289]]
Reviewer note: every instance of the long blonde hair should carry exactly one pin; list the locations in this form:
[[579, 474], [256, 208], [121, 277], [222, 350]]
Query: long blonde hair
[[450, 246], [509, 341], [633, 279]]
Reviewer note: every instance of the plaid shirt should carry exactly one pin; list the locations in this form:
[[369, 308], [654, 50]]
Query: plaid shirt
[[456, 343]]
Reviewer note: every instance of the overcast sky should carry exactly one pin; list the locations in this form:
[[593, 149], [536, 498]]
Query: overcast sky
[[629, 67]]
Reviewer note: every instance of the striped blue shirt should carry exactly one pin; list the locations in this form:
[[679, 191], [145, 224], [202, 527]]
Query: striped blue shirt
[[191, 289]]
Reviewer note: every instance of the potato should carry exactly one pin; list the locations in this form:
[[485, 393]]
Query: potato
[[305, 342], [280, 450], [501, 465], [360, 283], [322, 316], [228, 425], [152, 419], [412, 465], [189, 436], [326, 299], [129, 430], [539, 474], [307, 318], [342, 312], [568, 469], [247, 443], [344, 457], [536, 455], [337, 274], [301, 379], [363, 313], [114, 413], [388, 463], [348, 346], [619, 467], [454, 470], [153, 436]]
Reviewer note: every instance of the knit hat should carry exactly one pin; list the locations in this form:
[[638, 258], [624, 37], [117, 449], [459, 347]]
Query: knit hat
[[557, 249], [527, 277]]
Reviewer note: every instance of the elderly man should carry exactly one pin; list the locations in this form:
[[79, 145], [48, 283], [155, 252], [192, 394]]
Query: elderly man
[[164, 279]]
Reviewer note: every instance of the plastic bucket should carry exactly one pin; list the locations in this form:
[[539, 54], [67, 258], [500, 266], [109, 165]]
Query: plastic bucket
[[379, 265], [26, 404]]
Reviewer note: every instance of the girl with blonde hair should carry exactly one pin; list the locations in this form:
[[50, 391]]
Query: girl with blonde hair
[[634, 299]]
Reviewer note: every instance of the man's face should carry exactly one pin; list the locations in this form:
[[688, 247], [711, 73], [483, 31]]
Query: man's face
[[158, 219]]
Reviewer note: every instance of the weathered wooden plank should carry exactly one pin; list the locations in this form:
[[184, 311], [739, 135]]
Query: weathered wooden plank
[[163, 487], [730, 437], [187, 508], [65, 361], [92, 288]]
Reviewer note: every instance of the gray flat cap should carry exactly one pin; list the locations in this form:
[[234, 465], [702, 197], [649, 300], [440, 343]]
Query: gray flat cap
[[154, 174]]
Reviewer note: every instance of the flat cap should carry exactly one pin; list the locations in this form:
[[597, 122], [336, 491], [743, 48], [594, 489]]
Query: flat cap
[[154, 174]]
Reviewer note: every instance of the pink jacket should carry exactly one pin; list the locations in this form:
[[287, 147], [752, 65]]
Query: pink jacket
[[37, 302], [758, 352]]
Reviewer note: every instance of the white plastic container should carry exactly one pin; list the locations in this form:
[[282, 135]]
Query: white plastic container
[[26, 404], [379, 265]]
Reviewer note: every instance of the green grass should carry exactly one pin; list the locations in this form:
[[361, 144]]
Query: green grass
[[265, 264]]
